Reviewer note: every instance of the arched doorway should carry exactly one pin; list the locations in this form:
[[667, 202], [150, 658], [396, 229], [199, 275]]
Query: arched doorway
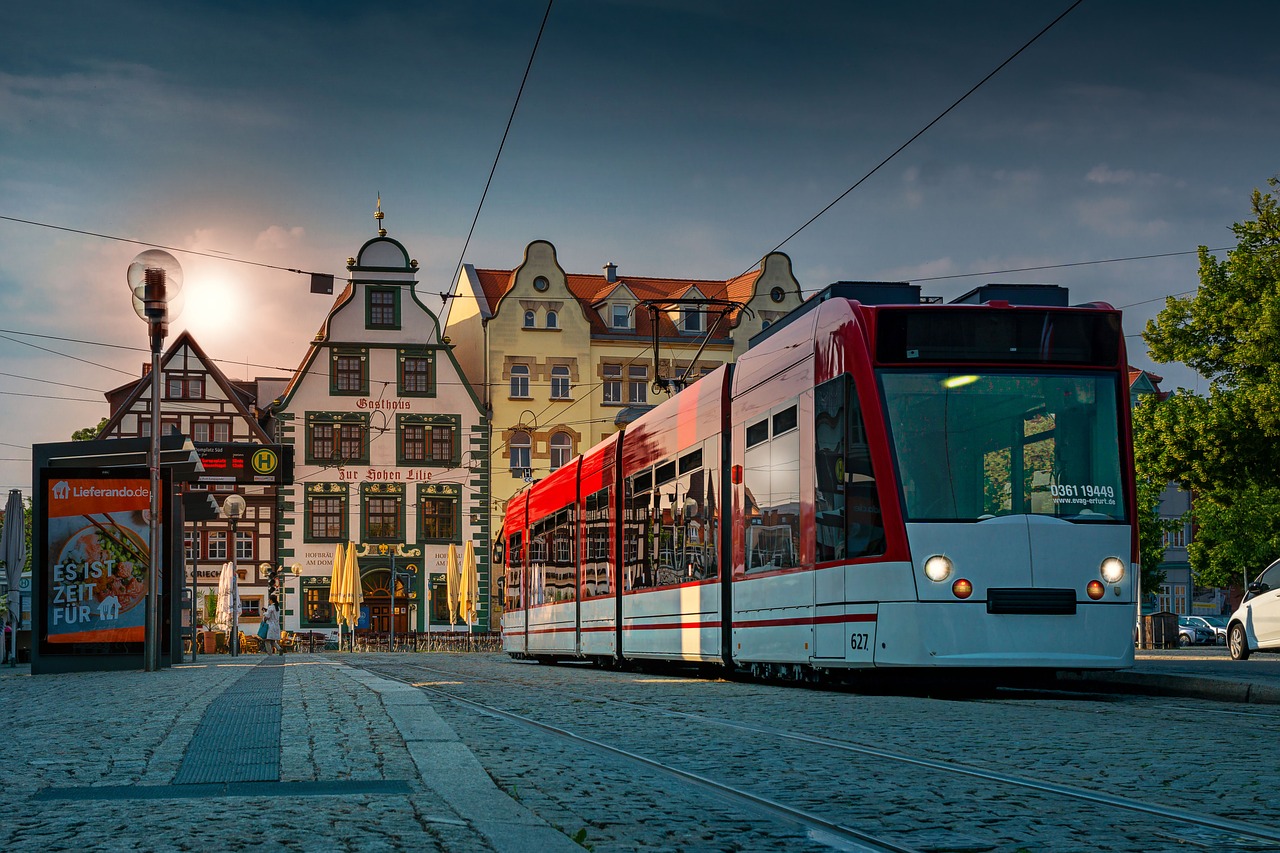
[[376, 587]]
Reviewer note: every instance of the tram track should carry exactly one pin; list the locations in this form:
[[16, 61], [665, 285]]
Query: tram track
[[1241, 834]]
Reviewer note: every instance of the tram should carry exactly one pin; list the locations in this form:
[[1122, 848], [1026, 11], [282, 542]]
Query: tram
[[889, 485]]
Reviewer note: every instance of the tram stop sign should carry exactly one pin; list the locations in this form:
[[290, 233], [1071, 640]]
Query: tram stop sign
[[246, 463]]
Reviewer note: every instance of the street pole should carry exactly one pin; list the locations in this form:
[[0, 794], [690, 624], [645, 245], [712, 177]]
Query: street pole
[[233, 642], [155, 278], [391, 636]]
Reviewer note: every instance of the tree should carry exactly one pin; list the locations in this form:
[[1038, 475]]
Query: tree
[[1223, 445], [88, 433]]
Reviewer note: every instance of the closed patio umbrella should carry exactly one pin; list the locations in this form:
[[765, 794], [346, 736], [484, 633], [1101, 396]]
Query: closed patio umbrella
[[354, 594], [228, 602], [469, 588], [13, 548], [335, 588], [452, 579]]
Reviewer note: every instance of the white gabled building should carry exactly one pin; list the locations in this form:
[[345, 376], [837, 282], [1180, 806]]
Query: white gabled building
[[391, 447]]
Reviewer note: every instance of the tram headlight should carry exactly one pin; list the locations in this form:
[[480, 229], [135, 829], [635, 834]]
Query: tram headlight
[[937, 568], [1112, 569]]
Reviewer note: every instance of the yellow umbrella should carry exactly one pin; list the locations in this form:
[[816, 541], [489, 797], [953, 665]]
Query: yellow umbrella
[[336, 588], [452, 580], [355, 595], [469, 594]]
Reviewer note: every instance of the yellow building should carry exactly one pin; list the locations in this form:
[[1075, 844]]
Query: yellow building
[[564, 359]]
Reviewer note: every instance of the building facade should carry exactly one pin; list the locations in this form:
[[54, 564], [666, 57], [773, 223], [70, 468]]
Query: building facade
[[390, 445], [565, 359], [198, 400]]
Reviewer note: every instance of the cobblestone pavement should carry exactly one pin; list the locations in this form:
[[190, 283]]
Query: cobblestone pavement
[[368, 762], [365, 764], [1169, 752]]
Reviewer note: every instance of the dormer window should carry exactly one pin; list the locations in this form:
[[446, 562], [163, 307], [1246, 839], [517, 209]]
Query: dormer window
[[529, 319], [553, 321], [690, 319], [619, 316], [382, 308]]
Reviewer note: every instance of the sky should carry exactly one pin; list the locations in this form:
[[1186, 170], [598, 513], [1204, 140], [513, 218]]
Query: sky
[[674, 138]]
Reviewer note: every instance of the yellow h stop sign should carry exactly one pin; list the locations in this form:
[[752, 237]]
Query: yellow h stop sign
[[265, 461]]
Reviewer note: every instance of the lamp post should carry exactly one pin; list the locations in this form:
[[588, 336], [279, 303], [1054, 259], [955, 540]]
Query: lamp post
[[155, 279], [398, 551], [233, 509]]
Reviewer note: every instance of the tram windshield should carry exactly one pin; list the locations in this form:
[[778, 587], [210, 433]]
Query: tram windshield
[[971, 446]]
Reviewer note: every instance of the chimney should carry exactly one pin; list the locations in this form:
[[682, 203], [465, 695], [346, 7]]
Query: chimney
[[610, 272]]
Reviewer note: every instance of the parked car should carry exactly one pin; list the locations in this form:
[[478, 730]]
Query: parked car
[[1216, 624], [1194, 634], [1255, 626]]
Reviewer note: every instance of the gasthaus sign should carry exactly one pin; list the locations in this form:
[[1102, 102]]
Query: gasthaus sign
[[97, 558]]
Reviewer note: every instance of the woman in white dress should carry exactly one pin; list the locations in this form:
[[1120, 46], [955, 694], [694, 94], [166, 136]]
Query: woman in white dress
[[272, 617]]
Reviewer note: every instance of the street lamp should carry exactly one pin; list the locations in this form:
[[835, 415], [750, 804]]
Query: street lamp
[[155, 279], [233, 509]]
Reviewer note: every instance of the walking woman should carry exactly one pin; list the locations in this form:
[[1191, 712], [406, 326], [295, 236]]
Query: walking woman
[[272, 617]]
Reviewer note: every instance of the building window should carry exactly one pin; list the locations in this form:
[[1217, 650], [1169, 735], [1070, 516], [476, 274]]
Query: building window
[[383, 512], [619, 316], [540, 284], [416, 375], [326, 512], [200, 431], [428, 439], [218, 545], [552, 320], [1177, 537], [690, 319], [519, 380], [560, 383], [638, 384], [184, 387], [561, 450], [221, 432], [348, 372], [337, 437], [612, 384], [244, 547], [442, 444], [382, 307], [439, 518], [528, 319], [144, 427], [520, 445], [191, 544], [413, 443]]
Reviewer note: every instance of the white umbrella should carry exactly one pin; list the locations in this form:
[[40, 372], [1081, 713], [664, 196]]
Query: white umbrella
[[228, 598], [13, 547]]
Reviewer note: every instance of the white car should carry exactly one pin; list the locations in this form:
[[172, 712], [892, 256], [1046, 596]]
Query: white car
[[1255, 626]]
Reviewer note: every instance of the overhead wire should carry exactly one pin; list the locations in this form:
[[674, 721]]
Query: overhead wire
[[922, 130]]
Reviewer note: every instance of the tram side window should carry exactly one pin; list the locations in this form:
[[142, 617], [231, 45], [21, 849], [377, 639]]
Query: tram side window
[[514, 588], [597, 558], [636, 543], [772, 487], [846, 503], [551, 568]]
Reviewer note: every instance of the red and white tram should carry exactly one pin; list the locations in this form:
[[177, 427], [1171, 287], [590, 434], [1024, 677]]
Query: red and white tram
[[888, 485]]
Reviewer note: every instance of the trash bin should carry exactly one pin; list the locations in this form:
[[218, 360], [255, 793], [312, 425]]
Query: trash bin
[[1160, 630]]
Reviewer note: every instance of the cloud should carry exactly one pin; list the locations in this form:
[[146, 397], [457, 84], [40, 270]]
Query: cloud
[[277, 237], [1117, 217]]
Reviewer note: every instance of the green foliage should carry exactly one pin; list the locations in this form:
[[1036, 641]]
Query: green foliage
[[1223, 445], [88, 433]]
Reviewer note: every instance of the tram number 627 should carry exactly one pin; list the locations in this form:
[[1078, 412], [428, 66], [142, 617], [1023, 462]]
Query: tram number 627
[[859, 642]]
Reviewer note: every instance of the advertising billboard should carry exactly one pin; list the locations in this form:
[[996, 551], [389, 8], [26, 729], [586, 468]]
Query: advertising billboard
[[96, 559]]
